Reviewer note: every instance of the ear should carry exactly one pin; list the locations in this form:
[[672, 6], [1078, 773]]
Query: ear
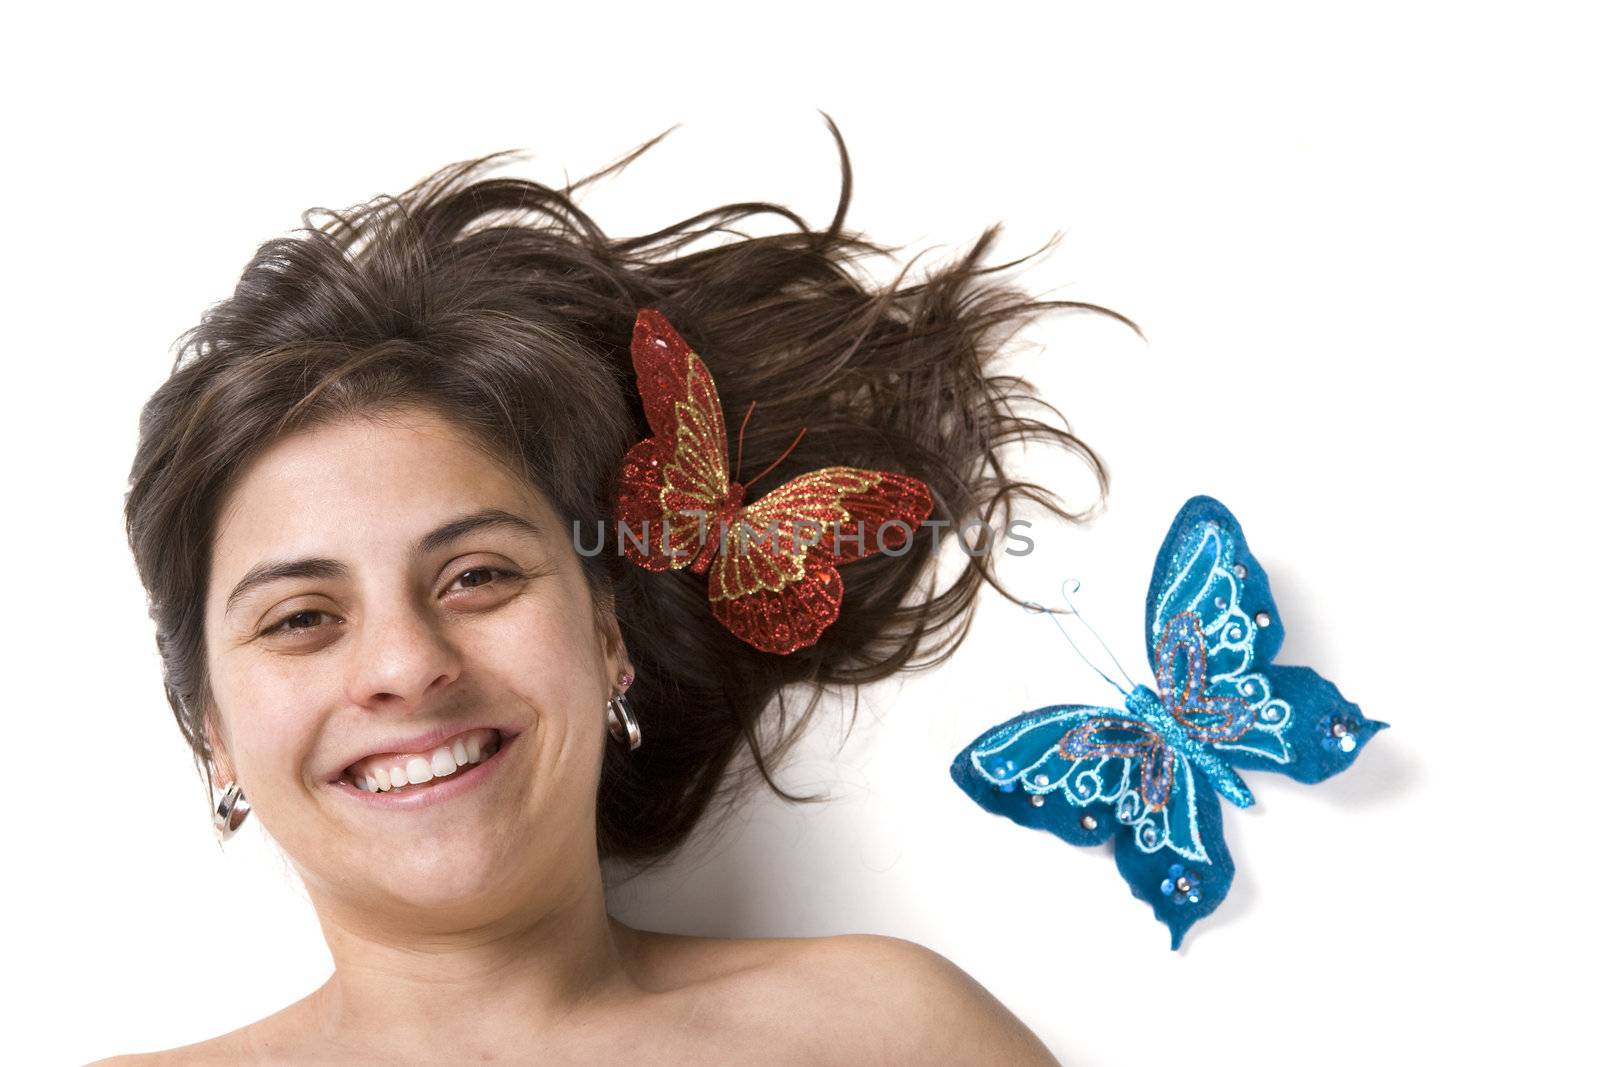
[[615, 649], [219, 749]]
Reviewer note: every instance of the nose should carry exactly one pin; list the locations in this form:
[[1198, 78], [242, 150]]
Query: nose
[[402, 655]]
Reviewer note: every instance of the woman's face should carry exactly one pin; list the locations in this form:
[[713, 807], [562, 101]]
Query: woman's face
[[387, 618]]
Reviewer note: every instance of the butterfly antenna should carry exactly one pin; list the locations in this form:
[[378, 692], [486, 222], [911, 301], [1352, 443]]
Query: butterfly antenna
[[777, 461], [738, 464], [1052, 612], [1066, 595]]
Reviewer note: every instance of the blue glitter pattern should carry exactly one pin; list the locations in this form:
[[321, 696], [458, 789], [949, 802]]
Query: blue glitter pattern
[[1148, 775]]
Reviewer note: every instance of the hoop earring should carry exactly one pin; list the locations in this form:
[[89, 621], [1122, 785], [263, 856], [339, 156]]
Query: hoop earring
[[622, 723], [231, 812]]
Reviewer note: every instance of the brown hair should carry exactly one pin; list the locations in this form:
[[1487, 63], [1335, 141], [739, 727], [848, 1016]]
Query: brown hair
[[503, 307]]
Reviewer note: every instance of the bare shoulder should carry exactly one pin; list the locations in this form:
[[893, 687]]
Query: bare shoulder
[[891, 1001], [851, 999], [248, 1044], [218, 1050]]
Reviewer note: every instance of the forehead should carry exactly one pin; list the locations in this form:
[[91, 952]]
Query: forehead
[[360, 486]]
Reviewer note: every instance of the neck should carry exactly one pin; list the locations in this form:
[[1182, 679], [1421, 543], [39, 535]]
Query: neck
[[462, 989]]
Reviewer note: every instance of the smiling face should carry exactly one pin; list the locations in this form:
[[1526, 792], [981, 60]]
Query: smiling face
[[370, 586]]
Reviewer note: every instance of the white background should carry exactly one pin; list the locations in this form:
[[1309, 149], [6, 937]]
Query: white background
[[1361, 241]]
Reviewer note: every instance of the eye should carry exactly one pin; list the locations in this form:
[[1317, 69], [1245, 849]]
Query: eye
[[283, 625], [501, 571]]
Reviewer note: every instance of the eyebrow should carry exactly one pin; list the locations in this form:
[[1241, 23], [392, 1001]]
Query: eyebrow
[[325, 568]]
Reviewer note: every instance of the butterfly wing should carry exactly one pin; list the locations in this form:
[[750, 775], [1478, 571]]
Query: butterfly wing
[[776, 582], [1302, 725], [673, 482], [1082, 773], [1183, 879]]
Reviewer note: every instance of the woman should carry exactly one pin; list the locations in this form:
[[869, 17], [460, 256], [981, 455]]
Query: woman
[[358, 507]]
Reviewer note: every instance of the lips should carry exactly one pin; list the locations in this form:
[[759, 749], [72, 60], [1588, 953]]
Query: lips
[[461, 782], [403, 750]]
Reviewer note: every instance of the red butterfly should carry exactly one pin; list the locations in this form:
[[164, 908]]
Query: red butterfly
[[768, 584]]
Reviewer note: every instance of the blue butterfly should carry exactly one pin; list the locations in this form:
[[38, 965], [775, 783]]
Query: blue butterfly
[[1149, 774]]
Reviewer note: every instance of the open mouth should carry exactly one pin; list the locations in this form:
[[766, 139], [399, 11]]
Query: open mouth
[[415, 772]]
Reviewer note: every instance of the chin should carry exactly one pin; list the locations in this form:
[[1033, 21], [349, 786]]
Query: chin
[[456, 883]]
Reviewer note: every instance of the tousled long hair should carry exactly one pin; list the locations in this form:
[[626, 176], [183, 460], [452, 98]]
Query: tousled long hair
[[498, 304]]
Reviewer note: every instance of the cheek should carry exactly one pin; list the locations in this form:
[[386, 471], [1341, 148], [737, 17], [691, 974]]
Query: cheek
[[551, 663], [546, 662], [270, 723]]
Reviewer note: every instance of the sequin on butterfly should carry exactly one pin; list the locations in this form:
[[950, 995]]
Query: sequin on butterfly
[[1006, 769], [1339, 734], [1181, 885]]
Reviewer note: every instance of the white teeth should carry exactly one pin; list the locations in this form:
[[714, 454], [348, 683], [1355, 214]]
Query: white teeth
[[375, 776], [418, 770]]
